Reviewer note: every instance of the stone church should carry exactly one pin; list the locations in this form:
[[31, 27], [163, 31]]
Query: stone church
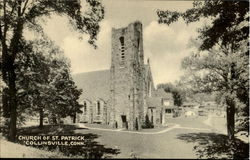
[[123, 95]]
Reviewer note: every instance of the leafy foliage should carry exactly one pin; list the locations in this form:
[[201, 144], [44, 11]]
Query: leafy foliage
[[44, 81], [216, 146], [178, 93], [225, 16], [35, 10], [19, 14], [65, 93], [147, 123], [222, 67]]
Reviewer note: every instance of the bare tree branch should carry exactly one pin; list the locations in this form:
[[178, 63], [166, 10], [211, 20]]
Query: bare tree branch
[[24, 7]]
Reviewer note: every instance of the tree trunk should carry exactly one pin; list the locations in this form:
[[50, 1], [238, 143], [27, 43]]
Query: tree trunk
[[8, 69], [13, 103], [4, 67], [14, 49], [41, 117], [6, 111], [74, 118], [230, 118], [5, 101], [54, 121]]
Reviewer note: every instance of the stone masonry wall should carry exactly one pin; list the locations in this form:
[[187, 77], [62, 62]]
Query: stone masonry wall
[[127, 77]]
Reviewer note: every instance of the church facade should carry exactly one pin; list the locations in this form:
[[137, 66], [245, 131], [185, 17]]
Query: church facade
[[123, 95]]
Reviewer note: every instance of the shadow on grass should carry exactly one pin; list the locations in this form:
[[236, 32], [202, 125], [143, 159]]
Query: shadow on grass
[[212, 145], [91, 149]]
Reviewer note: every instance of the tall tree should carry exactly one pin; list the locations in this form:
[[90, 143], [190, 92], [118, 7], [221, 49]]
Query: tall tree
[[19, 14], [64, 96], [38, 69], [178, 93], [32, 70], [225, 66]]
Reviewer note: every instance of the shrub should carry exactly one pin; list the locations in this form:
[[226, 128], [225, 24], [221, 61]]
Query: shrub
[[147, 123]]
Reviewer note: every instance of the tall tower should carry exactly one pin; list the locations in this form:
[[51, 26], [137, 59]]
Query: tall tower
[[127, 62]]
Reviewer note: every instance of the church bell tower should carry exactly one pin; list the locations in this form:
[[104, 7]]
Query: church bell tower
[[126, 86]]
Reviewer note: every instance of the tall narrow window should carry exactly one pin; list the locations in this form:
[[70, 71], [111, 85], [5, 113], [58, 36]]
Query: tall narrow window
[[122, 40], [152, 115], [85, 107], [98, 108], [122, 48]]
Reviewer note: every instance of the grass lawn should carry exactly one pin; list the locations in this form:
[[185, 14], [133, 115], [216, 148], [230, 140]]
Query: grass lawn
[[91, 148], [14, 150], [194, 122], [163, 145], [176, 143], [186, 142]]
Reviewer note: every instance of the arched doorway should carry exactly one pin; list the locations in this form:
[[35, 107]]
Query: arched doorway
[[124, 121]]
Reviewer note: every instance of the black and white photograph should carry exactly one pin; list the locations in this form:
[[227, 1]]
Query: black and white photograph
[[134, 79]]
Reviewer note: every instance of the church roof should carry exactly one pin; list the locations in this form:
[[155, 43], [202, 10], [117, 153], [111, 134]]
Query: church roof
[[146, 66], [95, 85]]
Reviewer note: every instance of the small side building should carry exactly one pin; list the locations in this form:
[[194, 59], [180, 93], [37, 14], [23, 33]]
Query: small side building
[[160, 106]]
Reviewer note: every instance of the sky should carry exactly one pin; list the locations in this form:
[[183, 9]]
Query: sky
[[164, 45]]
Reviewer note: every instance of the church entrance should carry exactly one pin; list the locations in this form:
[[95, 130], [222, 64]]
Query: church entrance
[[124, 121], [136, 124]]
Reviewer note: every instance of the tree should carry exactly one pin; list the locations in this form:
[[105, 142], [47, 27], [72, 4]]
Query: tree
[[178, 93], [32, 70], [2, 86], [224, 67], [65, 95], [19, 14], [38, 73]]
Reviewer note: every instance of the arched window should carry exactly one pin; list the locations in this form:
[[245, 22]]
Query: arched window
[[122, 40], [98, 108]]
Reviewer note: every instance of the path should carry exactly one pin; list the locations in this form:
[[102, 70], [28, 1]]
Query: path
[[173, 126]]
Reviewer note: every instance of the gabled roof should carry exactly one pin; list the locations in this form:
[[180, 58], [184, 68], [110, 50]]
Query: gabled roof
[[95, 85], [154, 101], [161, 93]]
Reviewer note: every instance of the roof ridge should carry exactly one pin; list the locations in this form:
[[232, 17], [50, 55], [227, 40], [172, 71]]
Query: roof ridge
[[92, 71]]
